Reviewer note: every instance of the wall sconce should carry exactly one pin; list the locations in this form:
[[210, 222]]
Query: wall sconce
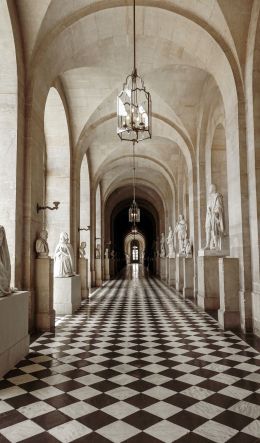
[[84, 229], [42, 208]]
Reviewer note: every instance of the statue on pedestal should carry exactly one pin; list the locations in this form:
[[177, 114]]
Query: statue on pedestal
[[181, 231], [98, 251], [5, 265], [107, 253], [162, 246], [64, 258], [82, 249], [214, 220], [170, 243], [41, 246]]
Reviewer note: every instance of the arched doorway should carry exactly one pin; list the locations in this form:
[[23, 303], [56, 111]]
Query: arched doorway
[[135, 252]]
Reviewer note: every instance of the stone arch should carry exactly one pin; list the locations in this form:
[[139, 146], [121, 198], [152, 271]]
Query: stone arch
[[57, 170]]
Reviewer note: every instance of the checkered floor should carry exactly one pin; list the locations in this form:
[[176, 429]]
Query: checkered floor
[[135, 364]]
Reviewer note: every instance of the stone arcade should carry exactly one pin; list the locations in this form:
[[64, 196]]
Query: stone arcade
[[76, 271]]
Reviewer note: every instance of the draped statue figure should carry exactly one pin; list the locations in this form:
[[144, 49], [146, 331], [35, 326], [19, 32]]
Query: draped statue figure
[[162, 246], [181, 231], [170, 243], [41, 245], [5, 265], [64, 257], [98, 251], [214, 219], [82, 249]]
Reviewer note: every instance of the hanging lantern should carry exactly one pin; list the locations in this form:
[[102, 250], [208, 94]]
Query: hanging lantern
[[134, 213], [134, 110], [134, 106]]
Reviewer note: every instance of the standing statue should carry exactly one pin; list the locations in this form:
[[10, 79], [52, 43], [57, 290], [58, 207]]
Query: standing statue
[[188, 248], [5, 265], [170, 243], [162, 246], [82, 249], [41, 245], [214, 220], [107, 253], [98, 251], [181, 231], [64, 257]]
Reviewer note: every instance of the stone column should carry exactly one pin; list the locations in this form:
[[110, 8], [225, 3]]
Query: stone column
[[188, 277], [163, 268], [45, 314], [83, 272], [179, 272], [171, 271], [107, 269], [98, 272], [228, 314], [208, 280]]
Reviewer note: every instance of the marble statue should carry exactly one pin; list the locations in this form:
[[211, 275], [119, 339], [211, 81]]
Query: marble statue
[[98, 251], [181, 231], [5, 265], [188, 248], [214, 220], [170, 243], [106, 253], [82, 249], [41, 245], [64, 258], [162, 246]]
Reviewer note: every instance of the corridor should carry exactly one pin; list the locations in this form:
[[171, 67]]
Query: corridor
[[135, 364]]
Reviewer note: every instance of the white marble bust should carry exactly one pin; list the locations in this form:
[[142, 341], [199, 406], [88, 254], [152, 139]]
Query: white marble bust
[[41, 245], [64, 258], [5, 265]]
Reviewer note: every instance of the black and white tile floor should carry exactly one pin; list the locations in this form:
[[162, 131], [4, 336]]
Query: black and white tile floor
[[136, 364]]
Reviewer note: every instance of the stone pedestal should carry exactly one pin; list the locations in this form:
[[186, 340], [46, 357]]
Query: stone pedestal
[[208, 280], [98, 281], [14, 337], [157, 265], [188, 278], [107, 269], [112, 267], [67, 294], [163, 268], [45, 314], [228, 314], [256, 308], [83, 272], [171, 271], [179, 272]]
